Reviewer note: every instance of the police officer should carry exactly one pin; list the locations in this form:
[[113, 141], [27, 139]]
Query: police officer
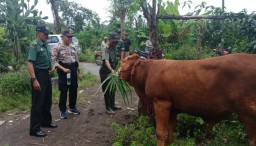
[[110, 61], [65, 59], [39, 68]]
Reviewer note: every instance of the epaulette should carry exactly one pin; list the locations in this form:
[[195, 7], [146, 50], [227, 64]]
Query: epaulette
[[33, 44]]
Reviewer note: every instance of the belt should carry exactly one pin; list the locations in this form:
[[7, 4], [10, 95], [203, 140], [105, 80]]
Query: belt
[[41, 70], [69, 65]]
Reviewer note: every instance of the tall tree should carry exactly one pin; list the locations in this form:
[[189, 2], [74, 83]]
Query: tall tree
[[55, 13], [119, 9], [150, 12], [73, 14]]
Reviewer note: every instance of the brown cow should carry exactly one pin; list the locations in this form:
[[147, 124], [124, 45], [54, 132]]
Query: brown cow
[[210, 88]]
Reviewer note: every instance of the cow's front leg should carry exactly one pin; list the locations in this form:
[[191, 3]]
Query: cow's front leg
[[171, 126], [162, 112]]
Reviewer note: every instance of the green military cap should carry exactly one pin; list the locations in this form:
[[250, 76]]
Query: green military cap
[[43, 28]]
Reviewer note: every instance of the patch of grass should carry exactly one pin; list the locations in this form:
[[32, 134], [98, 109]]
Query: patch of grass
[[88, 80], [139, 133], [22, 101], [18, 102], [55, 95]]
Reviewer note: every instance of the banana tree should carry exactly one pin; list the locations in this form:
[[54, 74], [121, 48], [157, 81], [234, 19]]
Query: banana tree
[[16, 17]]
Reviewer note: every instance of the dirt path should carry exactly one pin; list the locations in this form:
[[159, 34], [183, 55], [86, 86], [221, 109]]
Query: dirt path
[[90, 128]]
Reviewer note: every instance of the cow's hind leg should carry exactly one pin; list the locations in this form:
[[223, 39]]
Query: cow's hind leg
[[162, 111], [171, 127]]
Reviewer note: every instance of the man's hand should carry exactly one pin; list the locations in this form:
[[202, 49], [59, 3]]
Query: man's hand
[[66, 70], [80, 76], [51, 71], [36, 85]]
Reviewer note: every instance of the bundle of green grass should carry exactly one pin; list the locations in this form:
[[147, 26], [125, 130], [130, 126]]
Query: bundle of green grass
[[114, 83]]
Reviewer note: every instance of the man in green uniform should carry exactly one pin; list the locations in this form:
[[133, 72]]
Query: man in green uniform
[[110, 61], [39, 68]]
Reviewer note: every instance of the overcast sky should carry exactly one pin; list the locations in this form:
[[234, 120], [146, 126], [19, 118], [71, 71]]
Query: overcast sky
[[100, 6]]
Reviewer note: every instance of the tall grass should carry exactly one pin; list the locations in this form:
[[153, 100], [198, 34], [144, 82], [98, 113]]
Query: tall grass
[[115, 84], [16, 98]]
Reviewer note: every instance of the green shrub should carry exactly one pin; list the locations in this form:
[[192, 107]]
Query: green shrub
[[189, 126], [229, 132], [184, 142], [182, 54], [87, 56], [20, 102], [139, 133], [14, 83], [188, 53]]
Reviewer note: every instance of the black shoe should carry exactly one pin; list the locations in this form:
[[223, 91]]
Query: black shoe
[[52, 125], [38, 134], [117, 107]]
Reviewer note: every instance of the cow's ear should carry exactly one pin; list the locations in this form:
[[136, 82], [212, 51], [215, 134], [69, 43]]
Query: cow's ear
[[133, 57]]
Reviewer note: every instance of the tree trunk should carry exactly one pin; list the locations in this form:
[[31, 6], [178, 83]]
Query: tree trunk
[[153, 27], [57, 24], [150, 14], [122, 20], [200, 38]]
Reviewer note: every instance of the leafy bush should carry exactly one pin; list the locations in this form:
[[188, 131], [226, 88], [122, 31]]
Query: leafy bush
[[229, 132], [190, 126], [182, 54], [139, 133], [87, 56], [14, 83]]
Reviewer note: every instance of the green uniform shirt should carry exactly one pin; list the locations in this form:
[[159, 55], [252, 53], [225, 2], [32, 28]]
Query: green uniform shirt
[[40, 55], [110, 54], [119, 47]]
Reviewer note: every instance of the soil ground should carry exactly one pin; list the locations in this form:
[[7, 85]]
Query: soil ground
[[90, 128]]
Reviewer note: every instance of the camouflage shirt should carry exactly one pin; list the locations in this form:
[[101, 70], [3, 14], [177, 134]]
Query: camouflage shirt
[[64, 54], [110, 54]]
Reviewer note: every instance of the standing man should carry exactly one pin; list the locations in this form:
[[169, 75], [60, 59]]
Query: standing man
[[110, 61], [65, 59], [120, 46], [104, 43], [127, 44], [39, 68]]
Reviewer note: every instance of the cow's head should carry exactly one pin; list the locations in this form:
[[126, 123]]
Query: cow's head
[[126, 66]]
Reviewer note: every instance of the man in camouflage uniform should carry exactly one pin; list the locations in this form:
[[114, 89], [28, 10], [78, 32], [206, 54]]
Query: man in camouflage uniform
[[39, 68], [110, 61], [65, 59]]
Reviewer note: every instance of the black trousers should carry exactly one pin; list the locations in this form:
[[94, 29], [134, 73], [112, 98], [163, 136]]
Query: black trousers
[[64, 88], [41, 101], [109, 96]]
